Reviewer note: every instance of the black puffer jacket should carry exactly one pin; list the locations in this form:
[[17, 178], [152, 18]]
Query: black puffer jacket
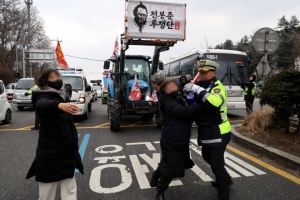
[[176, 120], [57, 153]]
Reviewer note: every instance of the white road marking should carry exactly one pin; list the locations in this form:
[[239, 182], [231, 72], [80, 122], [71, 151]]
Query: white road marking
[[244, 164], [139, 172], [102, 150], [153, 162], [238, 168], [103, 160], [95, 183], [201, 174], [231, 173], [149, 145]]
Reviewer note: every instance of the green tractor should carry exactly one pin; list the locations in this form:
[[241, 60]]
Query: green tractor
[[125, 69]]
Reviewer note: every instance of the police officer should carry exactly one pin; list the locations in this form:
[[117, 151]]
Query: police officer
[[250, 90], [214, 129], [37, 119]]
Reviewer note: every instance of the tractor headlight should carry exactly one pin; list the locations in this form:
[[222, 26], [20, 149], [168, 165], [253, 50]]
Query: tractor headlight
[[81, 99]]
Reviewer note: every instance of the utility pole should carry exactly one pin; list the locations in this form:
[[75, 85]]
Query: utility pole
[[29, 3], [17, 60]]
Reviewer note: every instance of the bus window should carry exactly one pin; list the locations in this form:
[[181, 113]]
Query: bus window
[[234, 69], [186, 66], [174, 69], [166, 70]]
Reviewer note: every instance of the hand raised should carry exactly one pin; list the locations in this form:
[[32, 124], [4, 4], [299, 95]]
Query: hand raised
[[69, 108]]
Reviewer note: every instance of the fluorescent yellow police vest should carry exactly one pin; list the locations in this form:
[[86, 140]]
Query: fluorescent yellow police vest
[[33, 87], [218, 96], [253, 90]]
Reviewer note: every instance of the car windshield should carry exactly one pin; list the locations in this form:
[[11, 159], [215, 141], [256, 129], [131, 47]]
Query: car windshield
[[139, 66], [10, 86], [97, 87], [75, 81], [25, 84]]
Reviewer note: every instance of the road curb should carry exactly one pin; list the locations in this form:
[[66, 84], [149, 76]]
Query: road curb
[[261, 148]]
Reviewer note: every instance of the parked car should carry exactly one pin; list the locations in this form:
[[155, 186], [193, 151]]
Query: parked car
[[19, 99], [5, 108], [98, 91], [94, 92], [10, 90]]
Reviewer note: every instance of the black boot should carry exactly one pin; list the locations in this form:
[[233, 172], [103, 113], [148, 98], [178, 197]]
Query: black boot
[[154, 180], [215, 184], [160, 195]]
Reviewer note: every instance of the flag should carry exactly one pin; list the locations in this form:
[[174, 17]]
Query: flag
[[135, 93], [116, 50], [154, 96], [60, 56]]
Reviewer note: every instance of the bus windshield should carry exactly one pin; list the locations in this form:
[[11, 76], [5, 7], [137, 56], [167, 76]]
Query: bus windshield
[[234, 69], [139, 66]]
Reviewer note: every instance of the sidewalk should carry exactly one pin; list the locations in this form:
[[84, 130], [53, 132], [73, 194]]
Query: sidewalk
[[264, 149]]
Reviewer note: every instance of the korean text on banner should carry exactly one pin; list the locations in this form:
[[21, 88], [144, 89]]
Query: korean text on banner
[[156, 20]]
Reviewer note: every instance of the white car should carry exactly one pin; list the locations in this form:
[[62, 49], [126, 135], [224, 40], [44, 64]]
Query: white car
[[5, 108], [81, 90], [10, 90], [19, 99], [98, 91]]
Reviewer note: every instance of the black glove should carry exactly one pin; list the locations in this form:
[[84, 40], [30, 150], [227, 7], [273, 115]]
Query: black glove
[[26, 94]]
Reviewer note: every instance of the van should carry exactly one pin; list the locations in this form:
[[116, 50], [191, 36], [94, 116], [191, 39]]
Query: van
[[19, 99], [5, 108], [81, 90]]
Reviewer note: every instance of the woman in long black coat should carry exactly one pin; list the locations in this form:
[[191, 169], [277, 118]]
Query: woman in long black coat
[[175, 137], [57, 153]]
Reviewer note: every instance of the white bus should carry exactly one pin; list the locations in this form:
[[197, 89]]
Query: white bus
[[234, 69]]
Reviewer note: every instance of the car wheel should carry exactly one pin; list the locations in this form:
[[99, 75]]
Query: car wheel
[[86, 115], [90, 107], [20, 107], [8, 117]]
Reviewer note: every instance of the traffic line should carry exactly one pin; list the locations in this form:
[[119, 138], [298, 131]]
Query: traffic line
[[137, 123], [265, 165], [4, 125], [83, 146], [26, 128], [101, 125]]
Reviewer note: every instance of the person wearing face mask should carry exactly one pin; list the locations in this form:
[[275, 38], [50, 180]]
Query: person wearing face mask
[[57, 154], [175, 137]]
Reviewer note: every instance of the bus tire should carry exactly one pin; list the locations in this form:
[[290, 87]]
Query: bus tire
[[114, 115]]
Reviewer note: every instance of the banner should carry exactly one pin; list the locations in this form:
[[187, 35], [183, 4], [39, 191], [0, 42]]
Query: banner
[[135, 93], [156, 20], [116, 50], [60, 56]]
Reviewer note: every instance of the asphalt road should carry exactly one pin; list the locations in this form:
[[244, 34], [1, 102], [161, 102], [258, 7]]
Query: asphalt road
[[118, 165]]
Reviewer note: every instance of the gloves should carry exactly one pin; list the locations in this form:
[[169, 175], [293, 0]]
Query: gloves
[[190, 87], [26, 94]]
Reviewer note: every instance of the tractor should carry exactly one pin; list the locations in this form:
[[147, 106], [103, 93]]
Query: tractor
[[124, 70]]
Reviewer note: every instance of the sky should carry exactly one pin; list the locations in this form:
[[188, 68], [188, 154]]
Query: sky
[[88, 28]]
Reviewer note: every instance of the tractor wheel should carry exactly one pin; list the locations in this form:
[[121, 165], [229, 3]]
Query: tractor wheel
[[147, 117], [114, 115]]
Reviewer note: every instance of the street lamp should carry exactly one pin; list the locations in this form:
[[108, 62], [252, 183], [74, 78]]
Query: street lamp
[[29, 3]]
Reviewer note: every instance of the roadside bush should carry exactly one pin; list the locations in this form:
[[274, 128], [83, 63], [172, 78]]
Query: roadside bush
[[282, 92], [260, 121]]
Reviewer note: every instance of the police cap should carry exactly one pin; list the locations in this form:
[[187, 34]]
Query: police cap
[[208, 65]]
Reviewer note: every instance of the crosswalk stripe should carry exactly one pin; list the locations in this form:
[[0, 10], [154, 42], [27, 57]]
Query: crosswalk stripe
[[244, 164], [232, 162], [231, 173], [238, 168]]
